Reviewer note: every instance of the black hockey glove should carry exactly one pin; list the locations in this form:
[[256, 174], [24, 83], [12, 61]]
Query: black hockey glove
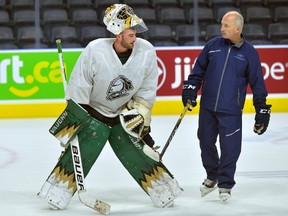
[[189, 94], [262, 118]]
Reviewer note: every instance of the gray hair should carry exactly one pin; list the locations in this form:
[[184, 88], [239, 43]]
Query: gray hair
[[239, 20]]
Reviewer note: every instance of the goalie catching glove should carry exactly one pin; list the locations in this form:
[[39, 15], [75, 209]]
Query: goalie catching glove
[[136, 118]]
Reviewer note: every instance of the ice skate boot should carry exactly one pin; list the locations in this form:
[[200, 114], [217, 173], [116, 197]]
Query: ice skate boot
[[207, 187], [224, 194]]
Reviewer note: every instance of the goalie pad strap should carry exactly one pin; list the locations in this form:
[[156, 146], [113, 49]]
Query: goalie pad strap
[[148, 139]]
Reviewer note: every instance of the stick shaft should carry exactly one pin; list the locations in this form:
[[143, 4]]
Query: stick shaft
[[62, 64]]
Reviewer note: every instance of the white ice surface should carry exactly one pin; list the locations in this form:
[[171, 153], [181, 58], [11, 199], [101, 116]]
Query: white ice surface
[[28, 153]]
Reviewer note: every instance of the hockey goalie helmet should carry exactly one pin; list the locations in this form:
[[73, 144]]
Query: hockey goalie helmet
[[119, 17]]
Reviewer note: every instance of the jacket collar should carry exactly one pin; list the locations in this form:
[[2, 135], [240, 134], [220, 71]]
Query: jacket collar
[[239, 44]]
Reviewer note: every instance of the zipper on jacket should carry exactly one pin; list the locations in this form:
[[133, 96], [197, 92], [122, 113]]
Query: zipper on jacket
[[238, 97], [221, 80]]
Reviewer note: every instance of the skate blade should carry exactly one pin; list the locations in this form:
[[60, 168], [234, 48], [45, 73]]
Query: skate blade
[[205, 191], [224, 197]]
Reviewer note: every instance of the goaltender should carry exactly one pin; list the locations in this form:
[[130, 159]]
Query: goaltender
[[113, 78]]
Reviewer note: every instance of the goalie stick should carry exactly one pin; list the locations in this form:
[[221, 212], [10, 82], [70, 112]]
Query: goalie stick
[[97, 205], [187, 107]]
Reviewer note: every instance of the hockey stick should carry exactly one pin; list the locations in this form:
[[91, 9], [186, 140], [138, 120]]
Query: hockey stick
[[188, 106], [96, 205]]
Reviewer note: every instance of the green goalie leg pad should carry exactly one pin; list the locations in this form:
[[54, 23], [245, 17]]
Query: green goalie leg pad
[[92, 139], [142, 168], [92, 135], [71, 121]]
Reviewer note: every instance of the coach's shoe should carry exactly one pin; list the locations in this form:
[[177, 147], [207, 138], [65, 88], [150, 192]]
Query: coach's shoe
[[207, 187], [224, 194]]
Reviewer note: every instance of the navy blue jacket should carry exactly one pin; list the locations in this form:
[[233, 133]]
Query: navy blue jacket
[[224, 70]]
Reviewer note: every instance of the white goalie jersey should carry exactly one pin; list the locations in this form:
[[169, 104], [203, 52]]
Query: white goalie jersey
[[102, 81]]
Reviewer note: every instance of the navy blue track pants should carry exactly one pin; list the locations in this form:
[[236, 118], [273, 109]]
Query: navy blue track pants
[[227, 129]]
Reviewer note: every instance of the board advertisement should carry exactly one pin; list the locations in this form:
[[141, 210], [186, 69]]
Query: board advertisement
[[34, 76]]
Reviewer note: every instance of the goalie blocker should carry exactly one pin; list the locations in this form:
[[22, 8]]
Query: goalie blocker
[[151, 174]]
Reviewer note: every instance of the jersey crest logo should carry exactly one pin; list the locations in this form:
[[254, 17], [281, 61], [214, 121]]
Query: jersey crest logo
[[119, 87]]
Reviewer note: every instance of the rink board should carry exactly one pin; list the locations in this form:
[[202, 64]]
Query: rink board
[[161, 107], [31, 84]]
